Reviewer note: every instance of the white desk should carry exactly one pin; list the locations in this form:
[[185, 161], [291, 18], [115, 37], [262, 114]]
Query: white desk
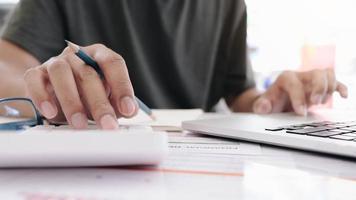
[[271, 173]]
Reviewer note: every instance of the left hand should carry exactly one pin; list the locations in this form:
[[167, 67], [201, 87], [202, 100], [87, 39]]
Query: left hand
[[297, 91]]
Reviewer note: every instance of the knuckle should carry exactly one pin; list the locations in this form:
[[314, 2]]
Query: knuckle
[[291, 85], [294, 85], [111, 59], [30, 74], [99, 46], [318, 82], [123, 84], [317, 71], [57, 65], [288, 73], [122, 87], [59, 61], [50, 60], [287, 80], [285, 75], [321, 74], [86, 74], [67, 50]]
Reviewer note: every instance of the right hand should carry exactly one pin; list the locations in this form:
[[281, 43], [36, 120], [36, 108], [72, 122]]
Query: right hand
[[64, 88]]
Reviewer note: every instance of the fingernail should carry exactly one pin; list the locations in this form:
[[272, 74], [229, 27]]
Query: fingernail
[[127, 106], [302, 110], [316, 99], [79, 120], [108, 122], [344, 94], [48, 110], [263, 107]]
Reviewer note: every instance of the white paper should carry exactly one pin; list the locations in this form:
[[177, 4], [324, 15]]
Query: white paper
[[171, 117]]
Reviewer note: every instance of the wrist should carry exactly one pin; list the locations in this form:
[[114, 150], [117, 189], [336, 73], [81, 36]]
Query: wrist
[[244, 102]]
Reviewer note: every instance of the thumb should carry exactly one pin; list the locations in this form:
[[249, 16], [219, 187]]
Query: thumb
[[262, 105]]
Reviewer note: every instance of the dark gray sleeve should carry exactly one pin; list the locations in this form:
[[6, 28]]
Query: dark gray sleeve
[[37, 27], [239, 74]]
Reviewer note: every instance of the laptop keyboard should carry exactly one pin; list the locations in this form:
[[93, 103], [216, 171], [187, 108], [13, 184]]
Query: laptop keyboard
[[326, 129]]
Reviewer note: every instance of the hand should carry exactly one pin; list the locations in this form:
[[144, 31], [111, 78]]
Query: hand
[[64, 88], [296, 91]]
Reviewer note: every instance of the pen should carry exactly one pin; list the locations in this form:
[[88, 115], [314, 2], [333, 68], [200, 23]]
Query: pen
[[92, 63]]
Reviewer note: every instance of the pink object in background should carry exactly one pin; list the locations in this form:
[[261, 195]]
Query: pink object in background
[[315, 56]]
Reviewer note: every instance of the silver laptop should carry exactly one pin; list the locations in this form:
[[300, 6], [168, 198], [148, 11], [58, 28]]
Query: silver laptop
[[327, 132]]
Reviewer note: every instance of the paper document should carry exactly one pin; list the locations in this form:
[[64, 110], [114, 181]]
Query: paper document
[[166, 120], [199, 154], [196, 143]]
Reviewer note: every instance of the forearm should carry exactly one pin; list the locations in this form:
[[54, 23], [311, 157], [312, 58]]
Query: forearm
[[14, 62], [11, 82], [243, 102], [12, 85]]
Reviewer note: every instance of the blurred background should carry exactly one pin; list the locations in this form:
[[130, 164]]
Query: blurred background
[[296, 35], [303, 35]]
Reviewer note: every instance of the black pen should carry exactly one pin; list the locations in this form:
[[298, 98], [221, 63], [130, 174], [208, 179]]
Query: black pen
[[92, 63]]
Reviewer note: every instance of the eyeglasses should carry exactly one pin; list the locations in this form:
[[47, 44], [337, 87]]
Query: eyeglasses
[[18, 113]]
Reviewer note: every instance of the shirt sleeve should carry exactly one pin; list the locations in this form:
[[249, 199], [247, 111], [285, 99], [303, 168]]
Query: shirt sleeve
[[239, 76], [37, 27]]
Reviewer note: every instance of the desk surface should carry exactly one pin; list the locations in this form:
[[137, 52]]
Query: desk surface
[[258, 172]]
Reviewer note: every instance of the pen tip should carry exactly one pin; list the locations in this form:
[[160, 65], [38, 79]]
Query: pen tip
[[72, 45]]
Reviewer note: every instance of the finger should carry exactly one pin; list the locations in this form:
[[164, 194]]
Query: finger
[[332, 83], [36, 84], [291, 84], [262, 105], [112, 101], [319, 86], [62, 80], [326, 98], [93, 93], [272, 101], [60, 117], [342, 89], [117, 77]]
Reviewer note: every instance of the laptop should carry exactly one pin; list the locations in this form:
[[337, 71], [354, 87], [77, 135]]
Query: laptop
[[329, 132], [61, 146]]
